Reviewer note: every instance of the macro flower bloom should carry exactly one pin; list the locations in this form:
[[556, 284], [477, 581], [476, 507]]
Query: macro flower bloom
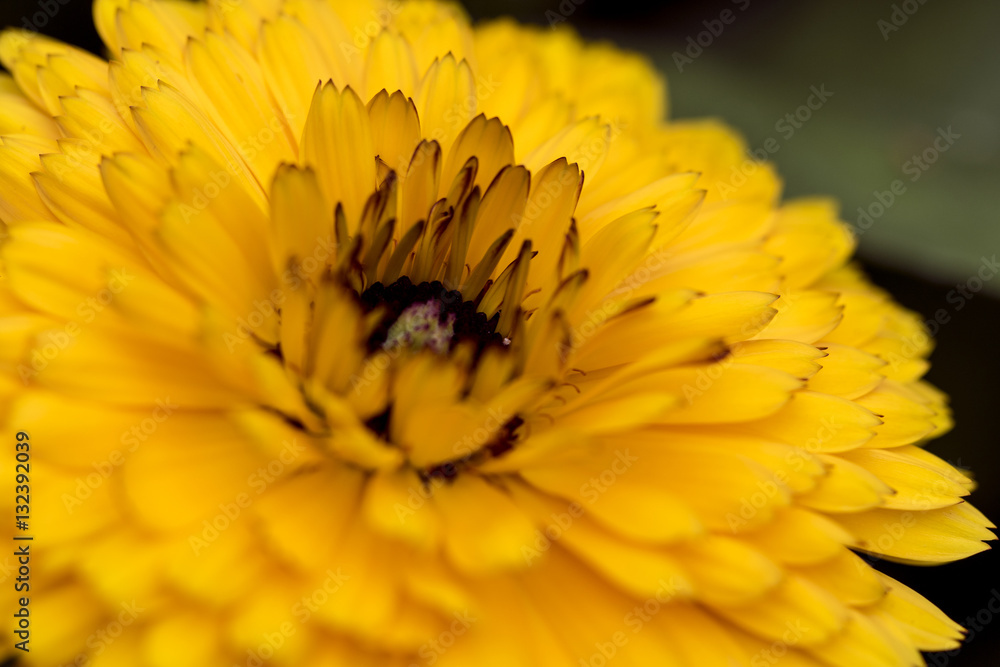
[[346, 333]]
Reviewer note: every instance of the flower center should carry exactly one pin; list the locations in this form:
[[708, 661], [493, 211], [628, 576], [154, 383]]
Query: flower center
[[427, 316], [422, 325]]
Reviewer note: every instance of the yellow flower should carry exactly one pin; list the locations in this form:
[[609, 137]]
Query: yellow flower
[[460, 357]]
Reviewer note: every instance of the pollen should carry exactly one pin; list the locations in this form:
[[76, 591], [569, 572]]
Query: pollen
[[422, 325]]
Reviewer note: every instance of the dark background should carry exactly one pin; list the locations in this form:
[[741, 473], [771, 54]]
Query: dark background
[[892, 90]]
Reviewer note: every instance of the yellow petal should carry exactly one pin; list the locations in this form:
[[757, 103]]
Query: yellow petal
[[934, 536], [157, 472], [483, 529], [726, 571], [906, 418], [19, 199], [818, 423], [395, 129], [639, 570], [719, 394], [804, 315], [916, 486], [925, 624], [618, 505], [446, 100], [389, 66], [191, 637], [228, 78], [397, 504], [296, 535], [293, 64], [847, 487], [794, 358], [799, 536], [796, 607], [337, 143], [847, 372], [848, 577]]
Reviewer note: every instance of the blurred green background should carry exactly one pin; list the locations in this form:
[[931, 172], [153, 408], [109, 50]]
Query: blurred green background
[[894, 86], [926, 67]]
